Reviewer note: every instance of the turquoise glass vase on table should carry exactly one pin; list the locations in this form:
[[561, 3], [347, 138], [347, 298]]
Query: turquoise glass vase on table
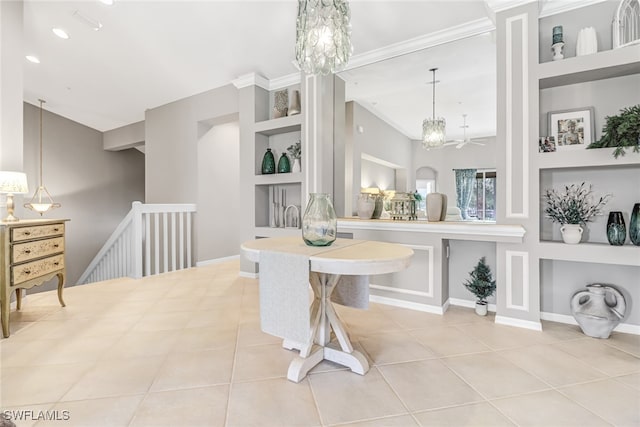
[[319, 222]]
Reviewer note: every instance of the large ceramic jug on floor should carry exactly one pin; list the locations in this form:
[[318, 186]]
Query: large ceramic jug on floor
[[598, 310]]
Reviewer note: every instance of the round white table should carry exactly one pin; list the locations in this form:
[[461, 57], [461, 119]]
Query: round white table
[[326, 266]]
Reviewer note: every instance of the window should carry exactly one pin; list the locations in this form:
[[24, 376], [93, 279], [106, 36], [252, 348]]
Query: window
[[483, 199]]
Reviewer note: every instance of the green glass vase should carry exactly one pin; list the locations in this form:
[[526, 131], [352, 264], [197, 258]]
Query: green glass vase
[[268, 162], [283, 164]]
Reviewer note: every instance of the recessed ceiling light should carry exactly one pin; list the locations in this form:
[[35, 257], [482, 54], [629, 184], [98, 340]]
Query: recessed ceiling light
[[92, 23], [33, 59], [60, 33]]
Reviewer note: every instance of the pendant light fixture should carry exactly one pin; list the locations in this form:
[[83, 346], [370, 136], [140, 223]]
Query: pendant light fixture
[[433, 129], [41, 201], [323, 36]]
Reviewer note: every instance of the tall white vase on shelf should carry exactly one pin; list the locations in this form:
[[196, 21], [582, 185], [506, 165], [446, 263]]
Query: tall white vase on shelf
[[296, 166], [587, 42]]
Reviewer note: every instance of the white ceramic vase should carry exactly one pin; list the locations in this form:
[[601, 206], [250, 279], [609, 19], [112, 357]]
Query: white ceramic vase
[[598, 310], [366, 206], [296, 166], [571, 233], [587, 42], [558, 51], [436, 206]]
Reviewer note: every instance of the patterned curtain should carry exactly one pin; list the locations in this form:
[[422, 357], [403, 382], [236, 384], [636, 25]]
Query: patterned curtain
[[464, 189]]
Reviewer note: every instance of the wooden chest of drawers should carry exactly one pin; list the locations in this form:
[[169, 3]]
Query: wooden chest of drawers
[[31, 253]]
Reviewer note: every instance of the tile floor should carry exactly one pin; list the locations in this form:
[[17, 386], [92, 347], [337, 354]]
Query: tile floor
[[185, 349]]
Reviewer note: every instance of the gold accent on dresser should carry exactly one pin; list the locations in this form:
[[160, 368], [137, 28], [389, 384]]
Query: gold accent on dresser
[[31, 253]]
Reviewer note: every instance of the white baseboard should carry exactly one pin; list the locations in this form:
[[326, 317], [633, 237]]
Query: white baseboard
[[626, 328], [526, 324], [217, 260], [469, 304], [248, 275], [407, 304]]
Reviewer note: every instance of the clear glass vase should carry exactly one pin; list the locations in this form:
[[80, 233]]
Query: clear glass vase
[[319, 222]]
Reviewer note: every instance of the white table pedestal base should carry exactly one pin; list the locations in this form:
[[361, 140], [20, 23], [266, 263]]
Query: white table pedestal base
[[324, 319]]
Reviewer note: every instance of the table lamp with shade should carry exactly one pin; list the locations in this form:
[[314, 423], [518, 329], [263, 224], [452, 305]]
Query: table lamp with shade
[[12, 183]]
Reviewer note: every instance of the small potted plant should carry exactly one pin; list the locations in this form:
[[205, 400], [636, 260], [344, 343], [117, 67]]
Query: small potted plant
[[295, 152], [572, 208], [621, 131], [482, 285]]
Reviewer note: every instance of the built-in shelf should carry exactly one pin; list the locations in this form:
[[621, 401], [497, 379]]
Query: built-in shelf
[[596, 157], [278, 178], [600, 253], [276, 232], [602, 65], [279, 125]]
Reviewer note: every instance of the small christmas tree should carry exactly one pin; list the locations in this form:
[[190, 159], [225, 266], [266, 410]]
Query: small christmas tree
[[481, 284]]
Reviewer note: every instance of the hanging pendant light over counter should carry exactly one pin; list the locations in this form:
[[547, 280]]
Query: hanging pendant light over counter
[[41, 201], [433, 129], [323, 36]]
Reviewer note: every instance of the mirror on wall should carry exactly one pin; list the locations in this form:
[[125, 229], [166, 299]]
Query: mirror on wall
[[387, 102]]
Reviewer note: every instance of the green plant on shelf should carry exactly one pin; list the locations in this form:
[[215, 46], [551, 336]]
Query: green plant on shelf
[[621, 131], [295, 150], [574, 204]]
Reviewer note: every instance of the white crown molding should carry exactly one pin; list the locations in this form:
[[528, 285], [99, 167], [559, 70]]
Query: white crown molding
[[284, 81], [251, 79], [457, 32], [501, 5]]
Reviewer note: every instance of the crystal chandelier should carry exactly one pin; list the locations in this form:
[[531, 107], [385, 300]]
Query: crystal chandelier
[[323, 36], [41, 201], [433, 129]]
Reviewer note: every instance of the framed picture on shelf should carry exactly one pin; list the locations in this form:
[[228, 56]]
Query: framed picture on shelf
[[572, 129], [546, 144]]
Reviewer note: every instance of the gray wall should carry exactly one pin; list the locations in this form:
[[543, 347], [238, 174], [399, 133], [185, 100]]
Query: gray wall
[[463, 257], [94, 186], [218, 227], [171, 145], [444, 160]]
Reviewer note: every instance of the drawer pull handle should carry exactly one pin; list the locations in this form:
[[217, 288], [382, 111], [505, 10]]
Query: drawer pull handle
[[56, 229], [27, 251], [56, 263], [27, 233], [56, 245], [27, 272]]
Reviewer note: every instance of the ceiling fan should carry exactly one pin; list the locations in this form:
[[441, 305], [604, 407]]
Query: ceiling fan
[[459, 143]]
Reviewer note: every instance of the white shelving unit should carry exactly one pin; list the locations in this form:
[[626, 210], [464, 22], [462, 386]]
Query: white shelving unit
[[584, 69], [276, 134]]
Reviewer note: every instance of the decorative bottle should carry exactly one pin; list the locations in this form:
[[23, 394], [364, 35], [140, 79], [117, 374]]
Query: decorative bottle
[[283, 164], [634, 225], [268, 162], [598, 310], [616, 229], [319, 222]]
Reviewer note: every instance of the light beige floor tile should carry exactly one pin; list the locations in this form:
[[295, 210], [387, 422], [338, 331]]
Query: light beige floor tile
[[411, 319], [394, 347], [276, 402], [217, 303], [175, 304], [142, 344], [26, 416], [494, 376], [561, 331], [16, 352], [398, 421], [501, 337], [625, 342], [162, 321], [343, 396], [438, 386], [197, 369], [22, 386], [223, 318], [193, 407], [206, 338], [632, 380], [448, 341], [250, 334], [32, 313], [462, 315], [601, 356], [362, 323], [552, 365], [616, 403], [475, 415], [116, 378], [108, 412], [545, 409], [261, 362]]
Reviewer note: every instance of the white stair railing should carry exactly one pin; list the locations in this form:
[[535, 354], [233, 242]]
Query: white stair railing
[[151, 239]]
